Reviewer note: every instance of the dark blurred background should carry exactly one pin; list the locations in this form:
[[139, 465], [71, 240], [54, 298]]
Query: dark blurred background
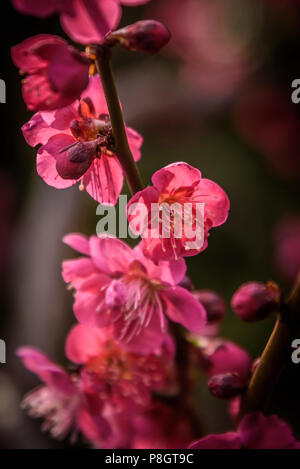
[[219, 97]]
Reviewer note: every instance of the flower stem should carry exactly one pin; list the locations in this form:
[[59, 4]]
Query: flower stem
[[274, 357], [123, 152], [186, 381]]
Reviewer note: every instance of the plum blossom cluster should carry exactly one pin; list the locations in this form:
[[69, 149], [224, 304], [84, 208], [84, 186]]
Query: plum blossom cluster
[[76, 145], [142, 330], [109, 384]]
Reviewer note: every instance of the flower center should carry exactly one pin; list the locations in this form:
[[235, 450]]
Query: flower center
[[140, 302], [87, 129], [179, 195], [112, 364], [92, 127], [93, 136]]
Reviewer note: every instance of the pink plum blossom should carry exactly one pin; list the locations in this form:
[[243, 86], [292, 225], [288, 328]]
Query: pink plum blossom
[[254, 432], [119, 286], [64, 401], [118, 376], [102, 397], [55, 72], [77, 145], [177, 185], [86, 22]]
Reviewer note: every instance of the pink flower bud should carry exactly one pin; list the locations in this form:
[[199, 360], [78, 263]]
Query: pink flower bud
[[226, 386], [213, 303], [116, 295], [74, 161], [221, 356], [144, 36], [254, 301]]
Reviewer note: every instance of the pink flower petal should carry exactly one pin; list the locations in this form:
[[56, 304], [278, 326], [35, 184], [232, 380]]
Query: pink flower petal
[[94, 427], [260, 432], [95, 92], [228, 440], [136, 216], [135, 141], [38, 93], [174, 176], [91, 20], [78, 242], [77, 271], [26, 58], [104, 180], [216, 201], [84, 343], [95, 283], [39, 8], [151, 339], [56, 72], [61, 119], [68, 72], [46, 161], [36, 131], [90, 309], [171, 272], [182, 307], [255, 432], [53, 375], [164, 249], [110, 255]]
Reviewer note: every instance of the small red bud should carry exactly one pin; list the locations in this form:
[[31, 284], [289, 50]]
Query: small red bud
[[187, 283], [144, 36], [226, 386], [213, 303], [254, 301], [75, 161]]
